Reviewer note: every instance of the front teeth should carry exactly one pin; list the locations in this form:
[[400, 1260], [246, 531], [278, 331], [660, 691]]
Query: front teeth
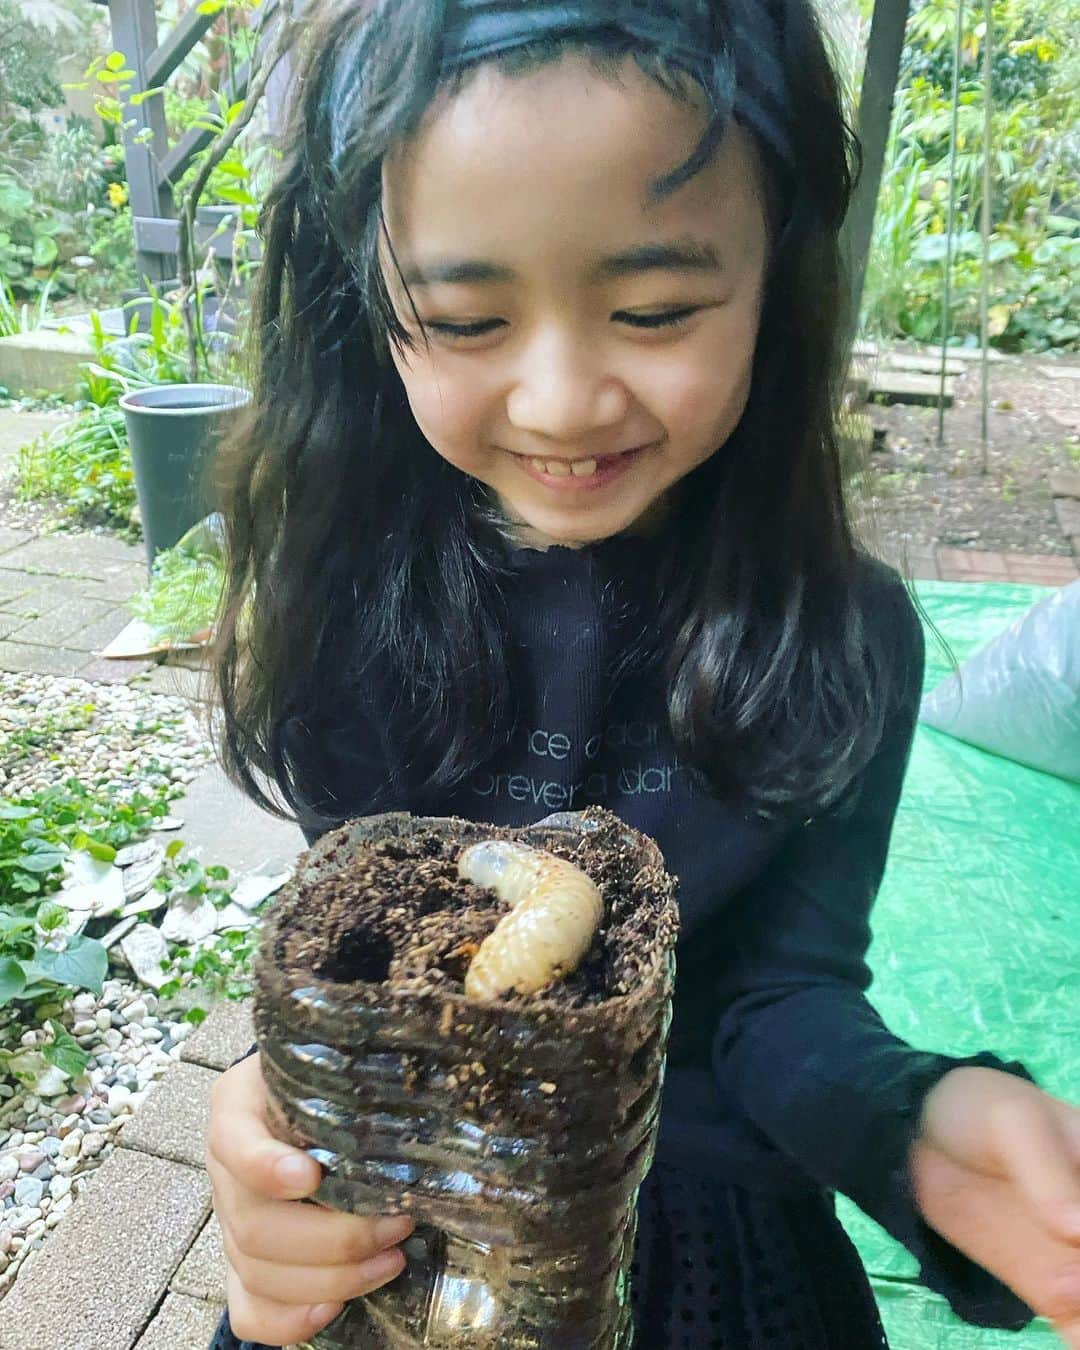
[[560, 468]]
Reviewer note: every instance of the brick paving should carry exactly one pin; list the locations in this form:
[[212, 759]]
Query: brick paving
[[137, 1263]]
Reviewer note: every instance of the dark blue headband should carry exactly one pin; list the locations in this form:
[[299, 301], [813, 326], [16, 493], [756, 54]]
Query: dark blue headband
[[477, 29]]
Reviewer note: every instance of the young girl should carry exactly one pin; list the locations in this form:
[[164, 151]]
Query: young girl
[[539, 508]]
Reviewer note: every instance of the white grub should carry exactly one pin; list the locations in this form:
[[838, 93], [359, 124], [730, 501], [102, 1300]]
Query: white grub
[[556, 912]]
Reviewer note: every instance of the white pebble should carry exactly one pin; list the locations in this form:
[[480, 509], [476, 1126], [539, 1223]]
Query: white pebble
[[51, 1082], [59, 1187], [69, 1145], [85, 1026], [83, 1003], [103, 1019], [91, 1145], [9, 1167], [29, 1190], [119, 1099], [135, 1012]]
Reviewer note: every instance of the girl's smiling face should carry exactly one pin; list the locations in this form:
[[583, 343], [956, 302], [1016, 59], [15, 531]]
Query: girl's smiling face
[[589, 347]]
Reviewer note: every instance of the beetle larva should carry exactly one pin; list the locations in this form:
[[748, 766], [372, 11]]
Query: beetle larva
[[556, 910]]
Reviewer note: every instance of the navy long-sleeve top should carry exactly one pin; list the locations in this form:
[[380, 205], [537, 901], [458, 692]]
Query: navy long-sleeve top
[[781, 1075]]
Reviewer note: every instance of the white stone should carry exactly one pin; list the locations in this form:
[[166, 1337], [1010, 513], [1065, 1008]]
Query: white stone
[[69, 1145], [9, 1167], [113, 1038], [91, 1145], [28, 1191], [145, 949], [119, 1099], [59, 1186], [83, 1003], [51, 1082], [103, 1019]]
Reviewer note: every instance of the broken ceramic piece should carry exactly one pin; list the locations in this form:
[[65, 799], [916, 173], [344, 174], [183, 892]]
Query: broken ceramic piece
[[91, 885], [145, 949], [189, 919]]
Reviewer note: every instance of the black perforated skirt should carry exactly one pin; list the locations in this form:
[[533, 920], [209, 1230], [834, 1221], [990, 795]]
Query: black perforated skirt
[[718, 1267]]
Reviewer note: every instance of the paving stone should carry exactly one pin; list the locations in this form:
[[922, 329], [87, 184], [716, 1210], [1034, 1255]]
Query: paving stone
[[1066, 483], [176, 681], [1068, 514], [120, 583], [100, 630], [182, 1324], [223, 1037], [1041, 569], [10, 539], [24, 657], [969, 561], [59, 624], [20, 428], [172, 1122], [228, 826], [74, 555], [97, 1281], [899, 386], [202, 1271]]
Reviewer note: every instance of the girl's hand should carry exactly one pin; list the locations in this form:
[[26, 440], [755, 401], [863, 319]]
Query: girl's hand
[[290, 1265], [996, 1169]]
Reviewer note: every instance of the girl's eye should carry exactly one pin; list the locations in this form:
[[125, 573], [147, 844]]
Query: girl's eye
[[667, 319], [478, 328], [481, 327]]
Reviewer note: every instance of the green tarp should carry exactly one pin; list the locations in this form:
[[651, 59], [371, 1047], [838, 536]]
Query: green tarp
[[976, 935]]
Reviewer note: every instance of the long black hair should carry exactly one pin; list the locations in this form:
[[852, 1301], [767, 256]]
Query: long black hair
[[352, 543]]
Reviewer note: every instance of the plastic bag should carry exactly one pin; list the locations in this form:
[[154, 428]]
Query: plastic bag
[[1020, 695]]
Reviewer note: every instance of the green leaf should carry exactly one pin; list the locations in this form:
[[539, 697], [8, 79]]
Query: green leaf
[[11, 812], [116, 61], [82, 964], [233, 111], [45, 251], [12, 979], [64, 1053], [44, 860], [174, 848], [102, 852]]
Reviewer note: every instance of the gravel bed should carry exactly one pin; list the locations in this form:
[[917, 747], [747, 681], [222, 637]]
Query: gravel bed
[[54, 1130], [110, 736]]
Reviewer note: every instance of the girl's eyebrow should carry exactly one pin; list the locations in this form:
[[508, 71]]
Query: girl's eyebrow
[[679, 255]]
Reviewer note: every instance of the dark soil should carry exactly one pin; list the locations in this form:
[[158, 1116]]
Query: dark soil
[[397, 914], [922, 495]]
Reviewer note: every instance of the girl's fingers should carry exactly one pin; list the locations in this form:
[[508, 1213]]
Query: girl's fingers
[[1037, 1154], [307, 1235], [300, 1286], [268, 1322], [239, 1141], [989, 1220]]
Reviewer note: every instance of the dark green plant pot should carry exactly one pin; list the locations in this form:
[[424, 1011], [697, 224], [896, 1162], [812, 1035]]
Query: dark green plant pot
[[174, 431]]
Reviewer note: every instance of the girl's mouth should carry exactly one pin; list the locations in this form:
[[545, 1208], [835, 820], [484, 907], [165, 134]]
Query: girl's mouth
[[580, 475]]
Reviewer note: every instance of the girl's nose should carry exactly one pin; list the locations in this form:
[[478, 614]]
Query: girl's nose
[[564, 394]]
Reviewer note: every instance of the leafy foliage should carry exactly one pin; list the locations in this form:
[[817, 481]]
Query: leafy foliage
[[1035, 211]]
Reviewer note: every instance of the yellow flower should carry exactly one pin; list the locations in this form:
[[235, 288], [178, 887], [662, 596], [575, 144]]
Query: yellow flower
[[117, 194]]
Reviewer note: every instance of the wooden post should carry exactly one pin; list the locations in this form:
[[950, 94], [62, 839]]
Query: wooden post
[[134, 29], [875, 113]]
